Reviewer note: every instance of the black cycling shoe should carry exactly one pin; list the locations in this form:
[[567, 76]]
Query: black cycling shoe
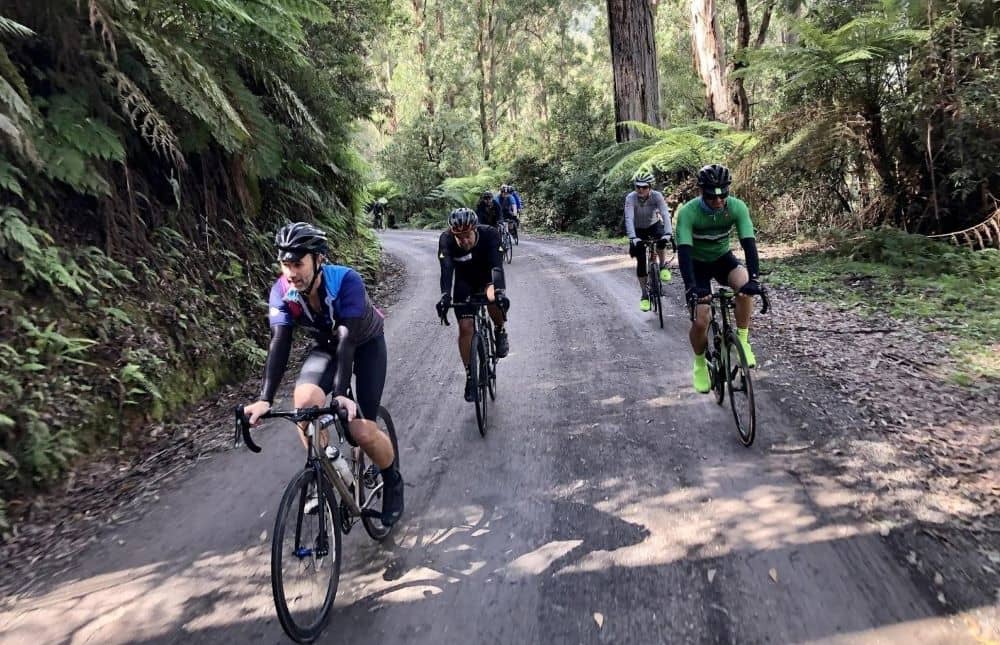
[[470, 390], [392, 497], [503, 345]]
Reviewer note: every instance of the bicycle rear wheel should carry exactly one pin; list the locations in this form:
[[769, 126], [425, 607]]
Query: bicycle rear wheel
[[370, 475], [716, 362], [305, 558], [740, 391], [656, 290], [508, 247], [479, 369]]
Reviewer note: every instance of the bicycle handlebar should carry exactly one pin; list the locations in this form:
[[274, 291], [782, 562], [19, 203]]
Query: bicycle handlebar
[[295, 416], [473, 302]]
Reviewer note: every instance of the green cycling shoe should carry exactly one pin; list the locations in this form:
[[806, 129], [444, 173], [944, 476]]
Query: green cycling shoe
[[664, 274], [644, 304], [699, 376]]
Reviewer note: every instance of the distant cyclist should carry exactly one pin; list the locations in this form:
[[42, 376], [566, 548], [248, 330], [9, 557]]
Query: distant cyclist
[[470, 258], [647, 219], [703, 228], [509, 207], [487, 210], [322, 298]]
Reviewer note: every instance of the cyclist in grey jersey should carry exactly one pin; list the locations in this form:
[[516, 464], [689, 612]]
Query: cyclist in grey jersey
[[647, 218]]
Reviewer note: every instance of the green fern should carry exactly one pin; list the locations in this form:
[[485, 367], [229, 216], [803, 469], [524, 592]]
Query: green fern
[[14, 29]]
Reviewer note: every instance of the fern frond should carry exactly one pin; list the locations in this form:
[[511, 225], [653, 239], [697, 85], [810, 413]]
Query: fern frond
[[311, 10], [10, 178], [98, 16], [193, 87], [265, 151], [144, 117], [293, 106], [14, 29]]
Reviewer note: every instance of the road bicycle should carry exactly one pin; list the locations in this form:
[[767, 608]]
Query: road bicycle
[[506, 242], [727, 363], [654, 285], [482, 357], [336, 488]]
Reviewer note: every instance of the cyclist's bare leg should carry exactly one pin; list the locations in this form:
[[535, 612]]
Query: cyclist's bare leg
[[744, 305], [373, 441], [466, 326], [307, 395], [698, 335]]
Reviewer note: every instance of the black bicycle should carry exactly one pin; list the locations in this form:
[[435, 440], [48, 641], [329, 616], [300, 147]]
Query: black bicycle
[[727, 363], [654, 285], [336, 488], [482, 357], [506, 242]]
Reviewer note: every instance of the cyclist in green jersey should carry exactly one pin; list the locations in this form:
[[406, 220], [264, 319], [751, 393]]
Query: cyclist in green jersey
[[702, 233]]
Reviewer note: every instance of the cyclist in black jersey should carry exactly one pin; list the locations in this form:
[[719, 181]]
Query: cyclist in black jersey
[[469, 254], [331, 302], [487, 210]]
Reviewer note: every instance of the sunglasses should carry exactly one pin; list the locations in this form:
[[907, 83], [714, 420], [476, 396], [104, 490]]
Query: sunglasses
[[710, 197], [642, 187]]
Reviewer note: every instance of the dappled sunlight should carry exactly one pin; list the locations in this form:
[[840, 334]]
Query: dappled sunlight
[[202, 594], [538, 561]]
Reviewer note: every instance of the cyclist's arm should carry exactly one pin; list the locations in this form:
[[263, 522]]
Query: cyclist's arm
[[629, 217], [277, 361], [685, 248], [747, 240], [685, 263], [350, 307], [661, 205], [496, 263], [447, 266]]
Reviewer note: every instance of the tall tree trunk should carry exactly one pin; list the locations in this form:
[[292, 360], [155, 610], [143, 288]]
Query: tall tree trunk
[[709, 53], [633, 61], [741, 104]]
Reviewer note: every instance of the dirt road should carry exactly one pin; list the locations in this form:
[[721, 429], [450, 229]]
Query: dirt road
[[609, 503]]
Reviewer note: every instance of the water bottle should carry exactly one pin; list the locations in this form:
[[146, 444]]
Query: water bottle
[[340, 463]]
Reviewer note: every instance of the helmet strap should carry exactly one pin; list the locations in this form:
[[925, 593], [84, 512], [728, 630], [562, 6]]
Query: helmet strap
[[316, 266]]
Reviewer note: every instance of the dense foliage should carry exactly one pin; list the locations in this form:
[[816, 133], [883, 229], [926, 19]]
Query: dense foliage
[[148, 150], [861, 113]]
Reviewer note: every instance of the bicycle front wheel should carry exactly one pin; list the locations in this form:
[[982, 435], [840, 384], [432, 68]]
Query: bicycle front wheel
[[508, 247], [716, 362], [740, 391], [305, 557], [481, 372], [656, 291]]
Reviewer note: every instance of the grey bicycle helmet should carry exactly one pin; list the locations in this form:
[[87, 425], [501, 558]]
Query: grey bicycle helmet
[[462, 219], [298, 239], [714, 176], [642, 179]]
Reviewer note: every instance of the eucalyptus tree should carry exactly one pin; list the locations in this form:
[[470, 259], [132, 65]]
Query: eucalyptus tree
[[634, 61]]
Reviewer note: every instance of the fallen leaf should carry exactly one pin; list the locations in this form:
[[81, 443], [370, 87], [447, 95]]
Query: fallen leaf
[[941, 599], [911, 557], [263, 535], [938, 579], [599, 619], [774, 574], [711, 575]]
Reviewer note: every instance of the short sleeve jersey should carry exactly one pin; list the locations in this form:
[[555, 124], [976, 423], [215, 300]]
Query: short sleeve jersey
[[344, 297], [708, 233]]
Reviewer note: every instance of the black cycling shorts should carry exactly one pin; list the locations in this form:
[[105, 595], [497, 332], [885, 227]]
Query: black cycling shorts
[[649, 234], [719, 269], [464, 289], [370, 359]]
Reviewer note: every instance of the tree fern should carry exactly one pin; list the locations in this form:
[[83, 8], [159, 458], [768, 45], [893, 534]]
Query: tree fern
[[193, 87], [143, 116], [293, 107], [13, 29], [265, 151]]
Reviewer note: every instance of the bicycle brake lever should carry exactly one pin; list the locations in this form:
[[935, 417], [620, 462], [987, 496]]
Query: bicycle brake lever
[[243, 427]]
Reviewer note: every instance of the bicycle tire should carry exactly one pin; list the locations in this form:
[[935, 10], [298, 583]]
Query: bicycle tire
[[374, 527], [508, 247], [741, 385], [293, 501], [716, 362], [492, 363], [480, 372], [656, 292]]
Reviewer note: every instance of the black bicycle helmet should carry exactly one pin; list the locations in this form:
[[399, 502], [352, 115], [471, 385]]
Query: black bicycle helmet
[[299, 239], [486, 195], [462, 219], [714, 176], [642, 179]]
